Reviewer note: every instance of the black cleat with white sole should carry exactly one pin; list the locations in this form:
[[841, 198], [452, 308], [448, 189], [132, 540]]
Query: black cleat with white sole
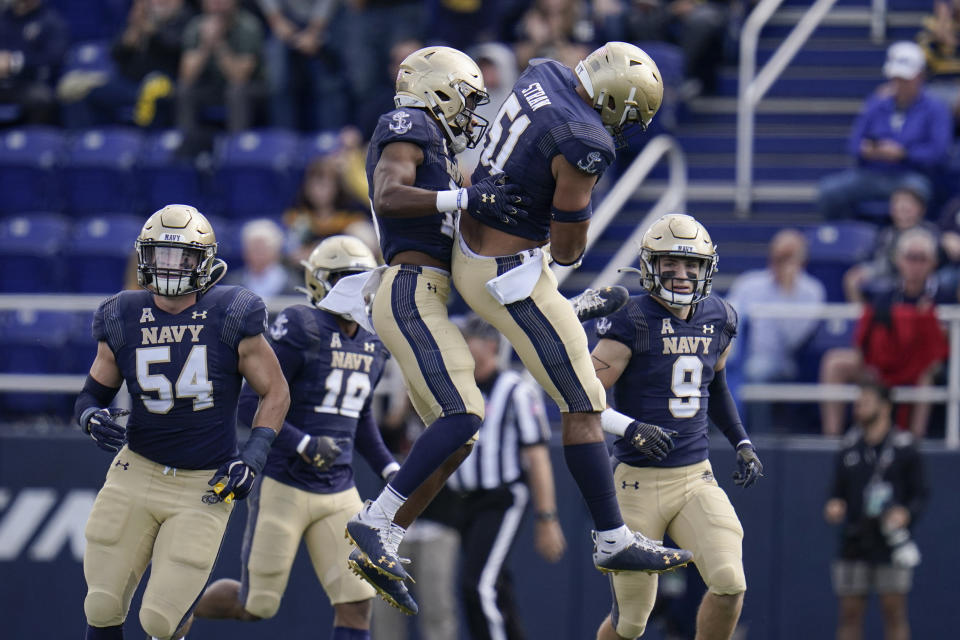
[[597, 303], [641, 554]]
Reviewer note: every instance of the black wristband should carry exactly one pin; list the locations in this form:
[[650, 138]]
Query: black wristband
[[544, 516], [255, 452], [93, 396]]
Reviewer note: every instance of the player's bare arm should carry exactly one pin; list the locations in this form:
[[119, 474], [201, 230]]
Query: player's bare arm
[[104, 368], [572, 193], [610, 358], [394, 195], [259, 365]]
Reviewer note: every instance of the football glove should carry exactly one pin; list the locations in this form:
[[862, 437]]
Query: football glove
[[320, 451], [105, 430], [493, 199], [749, 468], [234, 478], [649, 439]]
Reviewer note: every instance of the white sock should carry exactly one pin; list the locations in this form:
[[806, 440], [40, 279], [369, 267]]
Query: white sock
[[388, 503], [613, 540]]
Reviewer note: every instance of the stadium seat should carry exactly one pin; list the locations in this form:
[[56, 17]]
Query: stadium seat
[[829, 334], [834, 248], [165, 177], [28, 161], [315, 145], [229, 241], [93, 19], [81, 348], [99, 171], [253, 175], [33, 343], [99, 251], [92, 55], [30, 253]]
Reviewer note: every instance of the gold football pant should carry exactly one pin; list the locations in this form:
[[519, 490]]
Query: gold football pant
[[410, 316], [147, 513], [686, 503]]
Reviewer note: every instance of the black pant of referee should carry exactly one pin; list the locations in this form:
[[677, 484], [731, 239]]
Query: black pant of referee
[[490, 520]]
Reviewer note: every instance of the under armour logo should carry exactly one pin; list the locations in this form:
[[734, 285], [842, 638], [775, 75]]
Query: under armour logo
[[120, 463], [666, 560], [488, 198], [708, 328], [624, 484], [431, 287], [199, 314], [387, 563], [369, 346]]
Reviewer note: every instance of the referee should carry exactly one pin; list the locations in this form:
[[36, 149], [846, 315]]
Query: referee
[[510, 461]]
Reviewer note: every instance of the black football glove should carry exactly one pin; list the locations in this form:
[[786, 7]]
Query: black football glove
[[105, 430], [749, 468], [233, 480], [649, 439], [494, 199], [321, 451]]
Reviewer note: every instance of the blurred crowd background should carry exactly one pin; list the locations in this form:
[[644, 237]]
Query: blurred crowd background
[[258, 112]]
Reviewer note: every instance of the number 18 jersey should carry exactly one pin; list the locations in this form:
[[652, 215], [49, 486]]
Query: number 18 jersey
[[671, 366]]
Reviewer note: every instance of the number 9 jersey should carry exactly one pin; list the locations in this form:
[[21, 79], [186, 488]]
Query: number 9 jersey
[[671, 367], [181, 371]]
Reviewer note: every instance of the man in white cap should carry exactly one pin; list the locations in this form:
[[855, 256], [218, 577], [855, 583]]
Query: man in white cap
[[901, 137]]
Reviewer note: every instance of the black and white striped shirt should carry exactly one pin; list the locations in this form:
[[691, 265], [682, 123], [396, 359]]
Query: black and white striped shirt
[[515, 418]]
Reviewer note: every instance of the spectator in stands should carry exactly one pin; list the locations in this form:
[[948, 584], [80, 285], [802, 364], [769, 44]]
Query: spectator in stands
[[939, 39], [698, 28], [878, 493], [901, 138], [379, 99], [499, 68], [221, 65], [263, 270], [308, 89], [147, 56], [898, 336], [323, 209], [772, 342], [33, 41], [555, 29], [907, 210]]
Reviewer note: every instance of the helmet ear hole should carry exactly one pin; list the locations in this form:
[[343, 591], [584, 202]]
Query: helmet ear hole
[[611, 103]]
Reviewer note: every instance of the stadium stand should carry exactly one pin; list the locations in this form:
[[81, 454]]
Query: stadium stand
[[98, 171], [29, 159]]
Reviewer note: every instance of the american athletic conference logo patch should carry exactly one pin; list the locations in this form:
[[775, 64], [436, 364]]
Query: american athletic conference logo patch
[[401, 123]]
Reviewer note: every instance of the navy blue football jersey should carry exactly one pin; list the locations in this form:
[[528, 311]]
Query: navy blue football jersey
[[671, 367], [429, 234], [331, 378], [543, 117], [181, 371]]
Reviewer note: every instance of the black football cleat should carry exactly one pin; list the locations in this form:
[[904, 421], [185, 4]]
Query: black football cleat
[[641, 554], [378, 539], [597, 303], [393, 592]]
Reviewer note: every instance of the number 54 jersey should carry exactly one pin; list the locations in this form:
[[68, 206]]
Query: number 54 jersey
[[671, 367], [181, 371]]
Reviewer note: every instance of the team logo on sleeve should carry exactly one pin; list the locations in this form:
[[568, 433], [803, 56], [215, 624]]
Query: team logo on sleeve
[[603, 325], [589, 163], [401, 123], [279, 328]]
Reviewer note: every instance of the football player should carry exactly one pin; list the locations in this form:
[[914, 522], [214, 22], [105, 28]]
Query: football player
[[554, 136], [183, 346], [415, 190], [664, 355], [306, 491]]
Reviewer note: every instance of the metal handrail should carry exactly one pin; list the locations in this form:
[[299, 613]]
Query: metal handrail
[[789, 392], [673, 198], [878, 21], [752, 87]]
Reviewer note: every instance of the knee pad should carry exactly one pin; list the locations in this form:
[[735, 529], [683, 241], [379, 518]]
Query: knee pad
[[103, 609], [262, 605], [157, 624], [727, 579]]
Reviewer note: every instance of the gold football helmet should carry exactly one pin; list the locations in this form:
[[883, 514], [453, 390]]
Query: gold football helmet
[[176, 252], [681, 236], [449, 84], [624, 84], [336, 256]]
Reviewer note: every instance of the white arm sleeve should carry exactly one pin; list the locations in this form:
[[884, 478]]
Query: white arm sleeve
[[614, 422]]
